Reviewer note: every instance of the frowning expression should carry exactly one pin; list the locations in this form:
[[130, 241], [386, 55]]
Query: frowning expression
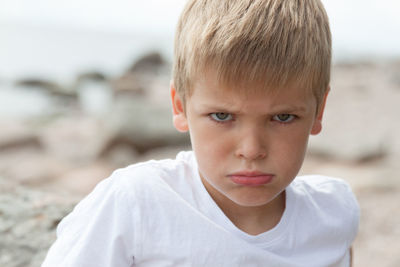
[[249, 146]]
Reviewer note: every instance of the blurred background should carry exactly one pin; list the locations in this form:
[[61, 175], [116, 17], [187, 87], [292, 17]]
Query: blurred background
[[84, 89]]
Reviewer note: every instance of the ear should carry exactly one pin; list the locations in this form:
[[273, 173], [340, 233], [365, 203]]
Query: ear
[[317, 126], [178, 112]]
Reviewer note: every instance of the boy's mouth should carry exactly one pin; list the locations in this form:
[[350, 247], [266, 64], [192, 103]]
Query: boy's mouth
[[251, 178]]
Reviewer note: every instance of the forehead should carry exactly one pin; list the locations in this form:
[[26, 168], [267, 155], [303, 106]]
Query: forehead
[[209, 91], [244, 83], [210, 82]]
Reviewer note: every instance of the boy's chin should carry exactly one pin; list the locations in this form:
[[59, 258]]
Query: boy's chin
[[255, 199]]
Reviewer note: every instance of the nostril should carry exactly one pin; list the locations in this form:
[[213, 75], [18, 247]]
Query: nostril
[[252, 152], [251, 144]]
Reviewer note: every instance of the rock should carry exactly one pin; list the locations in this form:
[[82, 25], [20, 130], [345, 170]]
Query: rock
[[27, 223], [16, 135], [129, 85], [142, 126], [47, 85], [359, 120], [149, 63], [30, 166], [76, 139], [38, 83], [81, 181], [143, 72], [23, 157], [91, 76], [119, 154]]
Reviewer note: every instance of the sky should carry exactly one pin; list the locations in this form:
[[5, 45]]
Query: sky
[[360, 29], [370, 26], [104, 15]]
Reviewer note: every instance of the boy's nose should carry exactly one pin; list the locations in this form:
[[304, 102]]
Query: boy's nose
[[252, 145]]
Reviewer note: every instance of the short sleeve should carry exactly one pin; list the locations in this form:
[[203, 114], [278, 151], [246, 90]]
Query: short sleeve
[[98, 232], [343, 205], [329, 221]]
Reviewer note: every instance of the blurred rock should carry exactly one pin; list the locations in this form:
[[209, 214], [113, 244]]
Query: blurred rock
[[143, 127], [149, 63], [38, 83], [91, 76], [82, 181], [16, 135], [33, 167], [141, 74], [50, 86], [360, 117], [76, 139], [27, 223], [129, 85], [119, 154]]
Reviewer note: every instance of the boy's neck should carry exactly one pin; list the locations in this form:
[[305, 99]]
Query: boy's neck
[[251, 220], [257, 220]]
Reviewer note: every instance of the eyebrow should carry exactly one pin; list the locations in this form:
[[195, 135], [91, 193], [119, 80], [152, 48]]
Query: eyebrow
[[222, 107], [225, 107], [289, 109]]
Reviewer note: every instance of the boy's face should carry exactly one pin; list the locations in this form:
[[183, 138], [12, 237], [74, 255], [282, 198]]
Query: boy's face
[[249, 146]]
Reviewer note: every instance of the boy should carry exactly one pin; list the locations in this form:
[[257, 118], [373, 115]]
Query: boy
[[250, 82]]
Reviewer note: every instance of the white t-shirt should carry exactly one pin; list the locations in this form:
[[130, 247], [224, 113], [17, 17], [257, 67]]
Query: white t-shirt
[[158, 213]]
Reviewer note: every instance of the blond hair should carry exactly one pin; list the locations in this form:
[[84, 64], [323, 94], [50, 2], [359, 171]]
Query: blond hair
[[272, 42]]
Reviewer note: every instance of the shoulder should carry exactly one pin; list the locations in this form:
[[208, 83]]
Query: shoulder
[[113, 218], [327, 190], [152, 172], [324, 217], [145, 181], [129, 191], [137, 181], [329, 201]]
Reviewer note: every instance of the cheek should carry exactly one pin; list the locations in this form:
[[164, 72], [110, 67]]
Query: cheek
[[292, 151], [211, 147], [207, 137]]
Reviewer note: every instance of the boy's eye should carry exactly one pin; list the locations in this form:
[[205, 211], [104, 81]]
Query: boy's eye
[[284, 117], [221, 116]]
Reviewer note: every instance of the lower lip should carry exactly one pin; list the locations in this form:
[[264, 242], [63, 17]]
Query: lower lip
[[251, 180]]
